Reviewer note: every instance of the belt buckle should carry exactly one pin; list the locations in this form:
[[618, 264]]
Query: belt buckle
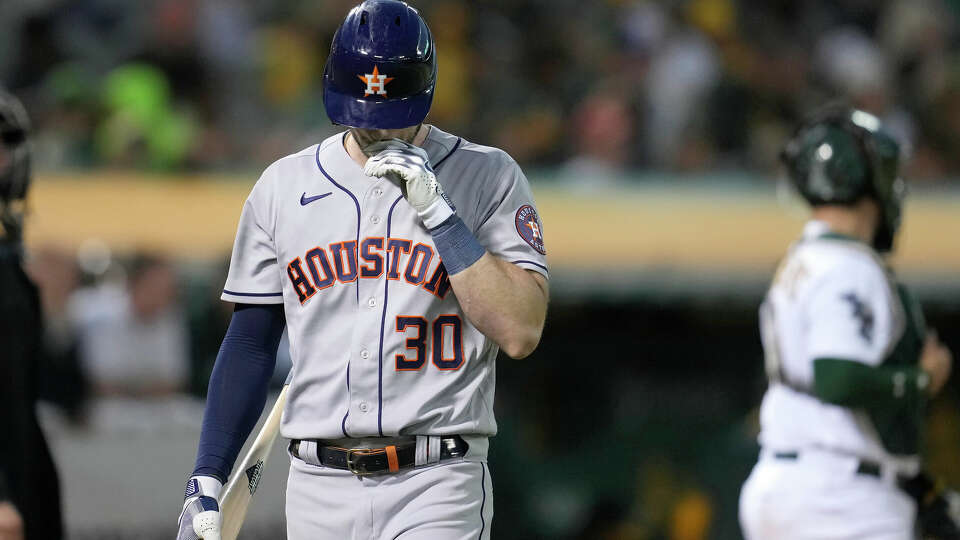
[[352, 465]]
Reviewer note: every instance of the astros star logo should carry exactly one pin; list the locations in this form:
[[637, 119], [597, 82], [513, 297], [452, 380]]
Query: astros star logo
[[534, 229], [530, 228], [376, 83]]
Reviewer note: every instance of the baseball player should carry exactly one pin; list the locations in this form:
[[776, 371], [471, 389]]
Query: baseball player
[[850, 361], [400, 258]]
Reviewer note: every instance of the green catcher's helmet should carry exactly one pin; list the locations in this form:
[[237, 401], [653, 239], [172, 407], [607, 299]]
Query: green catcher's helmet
[[841, 155]]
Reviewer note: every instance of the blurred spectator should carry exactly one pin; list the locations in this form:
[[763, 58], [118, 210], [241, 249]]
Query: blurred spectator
[[142, 128], [855, 66], [63, 380], [209, 318], [603, 130], [134, 340], [454, 100], [681, 74]]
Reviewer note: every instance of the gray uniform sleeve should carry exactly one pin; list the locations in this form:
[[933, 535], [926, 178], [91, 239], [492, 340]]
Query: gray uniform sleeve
[[254, 277], [510, 226]]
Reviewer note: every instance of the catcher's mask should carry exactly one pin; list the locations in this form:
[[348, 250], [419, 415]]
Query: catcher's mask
[[841, 155]]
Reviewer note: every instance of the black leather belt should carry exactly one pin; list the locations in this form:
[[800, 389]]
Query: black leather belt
[[391, 458], [865, 467]]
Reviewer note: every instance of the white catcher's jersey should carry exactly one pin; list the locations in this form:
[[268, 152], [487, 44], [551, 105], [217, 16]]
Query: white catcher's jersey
[[379, 343], [832, 298]]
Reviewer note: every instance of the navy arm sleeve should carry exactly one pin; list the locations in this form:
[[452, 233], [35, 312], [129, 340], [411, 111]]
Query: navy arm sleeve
[[238, 386]]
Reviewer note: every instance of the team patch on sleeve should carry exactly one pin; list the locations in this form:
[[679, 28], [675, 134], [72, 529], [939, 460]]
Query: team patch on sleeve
[[863, 314], [530, 228]]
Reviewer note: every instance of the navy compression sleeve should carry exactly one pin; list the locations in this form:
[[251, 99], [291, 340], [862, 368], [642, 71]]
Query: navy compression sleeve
[[238, 386]]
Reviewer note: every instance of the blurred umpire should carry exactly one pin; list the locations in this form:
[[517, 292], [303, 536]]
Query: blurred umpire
[[29, 491]]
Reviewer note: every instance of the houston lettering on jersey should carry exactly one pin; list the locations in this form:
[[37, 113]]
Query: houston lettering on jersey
[[399, 258]]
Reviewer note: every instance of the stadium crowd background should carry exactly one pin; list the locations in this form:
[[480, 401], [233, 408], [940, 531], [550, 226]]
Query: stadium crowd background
[[583, 94], [604, 86]]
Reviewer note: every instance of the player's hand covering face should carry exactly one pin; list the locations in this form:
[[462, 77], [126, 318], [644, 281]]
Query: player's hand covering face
[[409, 166], [367, 138]]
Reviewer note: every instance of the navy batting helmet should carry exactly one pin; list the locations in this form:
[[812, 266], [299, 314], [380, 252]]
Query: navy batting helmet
[[382, 68], [841, 155]]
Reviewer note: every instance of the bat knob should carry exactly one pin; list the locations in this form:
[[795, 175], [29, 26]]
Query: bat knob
[[207, 525]]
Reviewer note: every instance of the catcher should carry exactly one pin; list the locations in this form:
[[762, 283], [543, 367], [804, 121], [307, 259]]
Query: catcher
[[850, 361]]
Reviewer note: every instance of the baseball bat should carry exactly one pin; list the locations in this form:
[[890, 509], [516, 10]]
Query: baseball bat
[[246, 478]]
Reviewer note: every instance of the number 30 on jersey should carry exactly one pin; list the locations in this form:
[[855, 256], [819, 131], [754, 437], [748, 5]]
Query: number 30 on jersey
[[446, 348]]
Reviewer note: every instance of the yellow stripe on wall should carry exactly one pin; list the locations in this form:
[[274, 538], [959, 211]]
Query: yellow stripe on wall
[[617, 230], [194, 217]]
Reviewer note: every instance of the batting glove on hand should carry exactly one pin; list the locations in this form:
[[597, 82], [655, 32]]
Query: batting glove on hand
[[200, 517], [409, 166]]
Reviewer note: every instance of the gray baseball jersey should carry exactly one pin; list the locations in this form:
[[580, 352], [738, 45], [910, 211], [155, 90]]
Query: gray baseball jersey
[[379, 343]]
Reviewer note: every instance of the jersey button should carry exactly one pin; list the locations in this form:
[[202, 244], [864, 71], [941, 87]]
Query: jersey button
[[364, 354], [363, 406], [372, 302], [378, 192], [375, 219]]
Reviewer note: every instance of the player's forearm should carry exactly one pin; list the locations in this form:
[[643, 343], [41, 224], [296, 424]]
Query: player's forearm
[[853, 384], [238, 387], [505, 302]]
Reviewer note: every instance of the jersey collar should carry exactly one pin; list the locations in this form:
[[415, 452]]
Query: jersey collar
[[820, 229]]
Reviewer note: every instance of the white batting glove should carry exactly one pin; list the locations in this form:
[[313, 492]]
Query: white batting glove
[[409, 166], [200, 517]]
